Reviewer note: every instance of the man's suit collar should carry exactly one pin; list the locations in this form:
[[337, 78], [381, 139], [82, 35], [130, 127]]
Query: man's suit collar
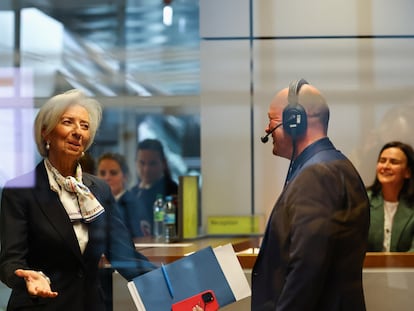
[[306, 154]]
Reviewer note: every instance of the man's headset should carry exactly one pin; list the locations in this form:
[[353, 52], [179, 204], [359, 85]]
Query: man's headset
[[294, 119]]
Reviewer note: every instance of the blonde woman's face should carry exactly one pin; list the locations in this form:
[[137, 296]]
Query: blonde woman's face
[[71, 135]]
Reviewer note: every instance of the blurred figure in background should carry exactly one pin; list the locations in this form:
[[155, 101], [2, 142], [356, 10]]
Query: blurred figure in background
[[395, 125], [113, 168], [154, 178], [392, 200]]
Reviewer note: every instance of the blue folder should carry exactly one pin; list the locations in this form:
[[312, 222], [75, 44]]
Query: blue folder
[[190, 275]]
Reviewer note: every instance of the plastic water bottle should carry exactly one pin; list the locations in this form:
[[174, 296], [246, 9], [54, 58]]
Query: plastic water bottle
[[158, 209], [170, 220]]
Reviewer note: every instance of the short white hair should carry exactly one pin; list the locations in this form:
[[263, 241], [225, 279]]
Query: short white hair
[[49, 115]]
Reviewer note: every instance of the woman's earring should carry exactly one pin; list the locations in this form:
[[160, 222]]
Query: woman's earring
[[47, 145]]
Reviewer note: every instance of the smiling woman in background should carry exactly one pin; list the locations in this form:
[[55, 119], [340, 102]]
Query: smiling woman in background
[[392, 200], [54, 232]]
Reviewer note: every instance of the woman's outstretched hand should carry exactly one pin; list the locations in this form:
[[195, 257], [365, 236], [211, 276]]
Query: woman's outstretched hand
[[37, 283]]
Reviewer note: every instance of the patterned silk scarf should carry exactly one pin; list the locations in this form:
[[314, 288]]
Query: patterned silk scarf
[[87, 207]]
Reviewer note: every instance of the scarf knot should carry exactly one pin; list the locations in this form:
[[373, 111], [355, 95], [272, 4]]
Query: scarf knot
[[87, 208]]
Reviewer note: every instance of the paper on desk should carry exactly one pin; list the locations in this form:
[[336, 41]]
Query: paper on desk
[[233, 271], [215, 269]]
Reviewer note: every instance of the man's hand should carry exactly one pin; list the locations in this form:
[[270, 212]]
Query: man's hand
[[37, 284]]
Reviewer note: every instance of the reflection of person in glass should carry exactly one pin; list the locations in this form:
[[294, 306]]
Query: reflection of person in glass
[[392, 200], [54, 232], [113, 168], [154, 177], [313, 250], [395, 125]]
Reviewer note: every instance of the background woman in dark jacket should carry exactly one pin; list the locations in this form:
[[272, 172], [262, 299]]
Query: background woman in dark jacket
[[154, 178]]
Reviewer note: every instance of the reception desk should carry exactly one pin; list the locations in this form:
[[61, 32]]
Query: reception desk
[[166, 253], [246, 249], [388, 277]]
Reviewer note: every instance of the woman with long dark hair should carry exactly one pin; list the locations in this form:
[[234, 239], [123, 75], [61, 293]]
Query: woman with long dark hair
[[392, 200]]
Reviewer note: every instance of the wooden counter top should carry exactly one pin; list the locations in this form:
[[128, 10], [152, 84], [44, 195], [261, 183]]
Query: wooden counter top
[[372, 260], [166, 253], [389, 260], [170, 252]]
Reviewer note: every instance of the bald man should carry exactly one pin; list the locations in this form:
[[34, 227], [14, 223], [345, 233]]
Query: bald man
[[314, 245]]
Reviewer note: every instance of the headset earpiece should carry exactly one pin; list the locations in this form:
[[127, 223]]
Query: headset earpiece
[[294, 115]]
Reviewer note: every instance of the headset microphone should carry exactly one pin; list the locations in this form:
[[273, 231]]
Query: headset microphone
[[265, 138], [293, 116]]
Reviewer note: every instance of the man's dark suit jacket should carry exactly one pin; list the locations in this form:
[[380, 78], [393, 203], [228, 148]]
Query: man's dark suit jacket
[[313, 250], [36, 233]]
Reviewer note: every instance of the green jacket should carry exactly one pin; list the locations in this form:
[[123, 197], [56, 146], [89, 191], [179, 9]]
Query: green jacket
[[402, 235]]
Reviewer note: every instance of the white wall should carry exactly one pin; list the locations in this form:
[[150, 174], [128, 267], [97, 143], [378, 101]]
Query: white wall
[[358, 53]]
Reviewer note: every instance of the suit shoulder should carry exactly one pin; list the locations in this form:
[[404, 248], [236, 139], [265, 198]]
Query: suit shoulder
[[27, 180]]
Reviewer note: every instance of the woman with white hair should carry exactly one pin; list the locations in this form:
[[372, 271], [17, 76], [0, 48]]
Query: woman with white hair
[[54, 232]]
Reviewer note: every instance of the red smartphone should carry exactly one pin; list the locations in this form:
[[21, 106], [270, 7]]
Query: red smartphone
[[206, 300]]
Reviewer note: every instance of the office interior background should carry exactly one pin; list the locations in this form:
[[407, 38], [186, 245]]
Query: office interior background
[[201, 80]]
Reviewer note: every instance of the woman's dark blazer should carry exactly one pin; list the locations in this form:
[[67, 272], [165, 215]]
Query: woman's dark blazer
[[36, 233]]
